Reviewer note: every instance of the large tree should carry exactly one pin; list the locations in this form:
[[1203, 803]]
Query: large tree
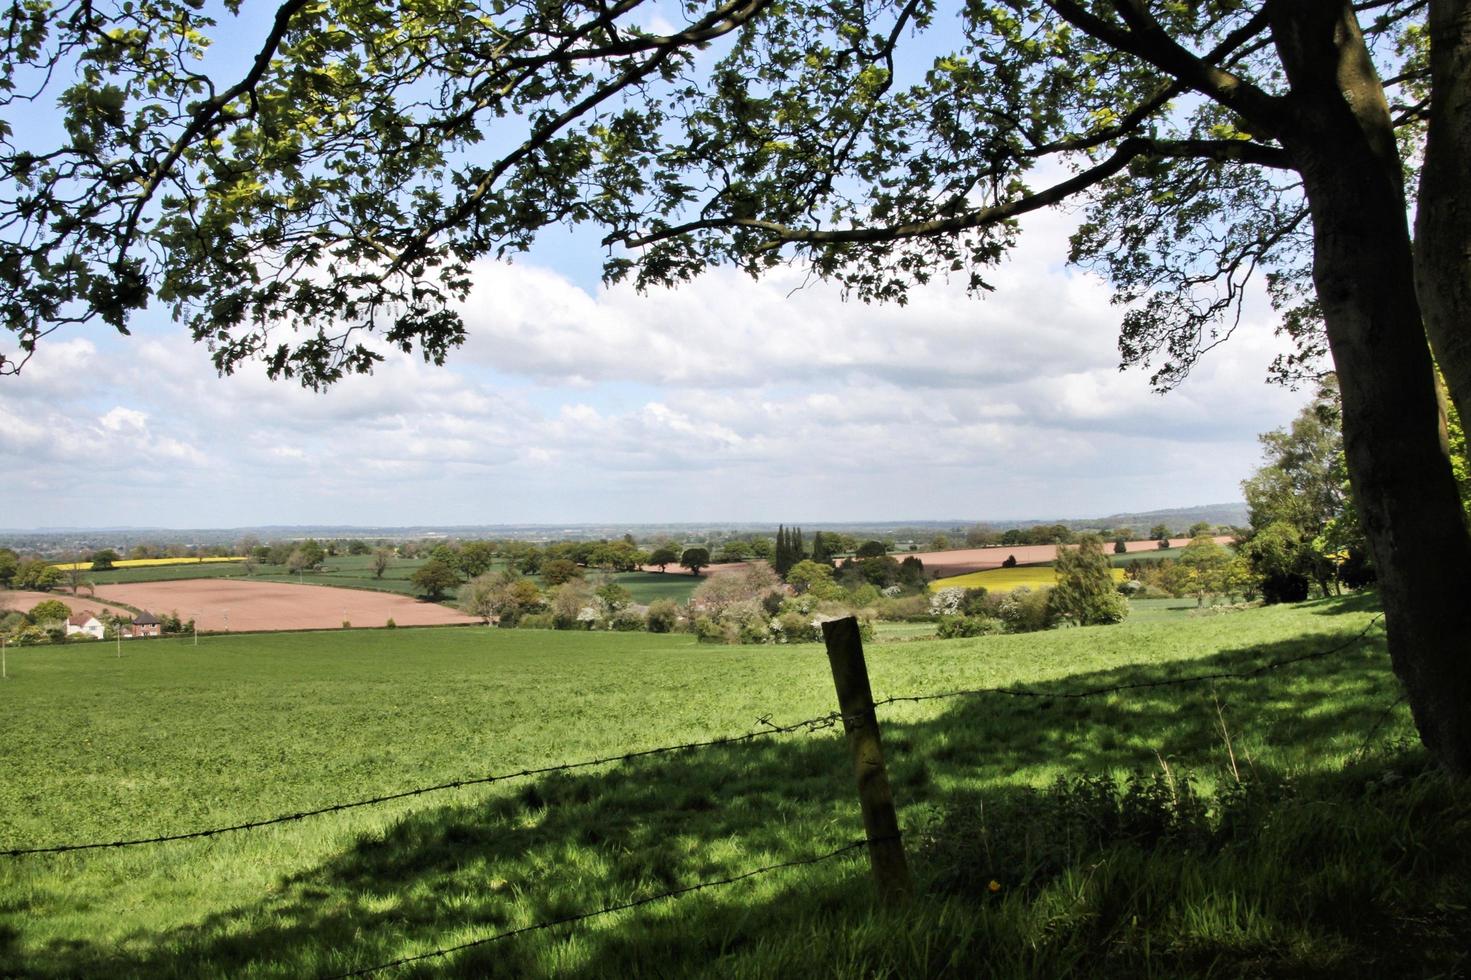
[[365, 154]]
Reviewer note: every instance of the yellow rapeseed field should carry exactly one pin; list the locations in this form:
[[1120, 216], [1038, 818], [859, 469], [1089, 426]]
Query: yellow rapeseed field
[[143, 562], [1006, 579]]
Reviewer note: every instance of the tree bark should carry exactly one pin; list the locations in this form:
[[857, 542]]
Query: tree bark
[[1443, 220], [1342, 141]]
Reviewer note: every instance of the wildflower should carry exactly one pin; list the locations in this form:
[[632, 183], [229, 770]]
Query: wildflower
[[994, 886]]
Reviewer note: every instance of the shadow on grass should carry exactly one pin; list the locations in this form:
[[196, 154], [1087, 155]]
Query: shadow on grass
[[964, 778]]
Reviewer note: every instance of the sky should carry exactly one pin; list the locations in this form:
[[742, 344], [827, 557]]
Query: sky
[[727, 399]]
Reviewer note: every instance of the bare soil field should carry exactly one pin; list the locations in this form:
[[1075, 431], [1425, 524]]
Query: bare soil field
[[232, 604], [24, 601], [943, 564]]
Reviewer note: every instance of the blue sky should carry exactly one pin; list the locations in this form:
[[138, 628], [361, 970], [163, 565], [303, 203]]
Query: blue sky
[[727, 399]]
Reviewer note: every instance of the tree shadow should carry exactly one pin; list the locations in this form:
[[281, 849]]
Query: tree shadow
[[570, 843]]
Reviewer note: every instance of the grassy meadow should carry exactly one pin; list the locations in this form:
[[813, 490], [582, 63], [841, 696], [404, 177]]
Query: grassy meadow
[[1255, 840], [1006, 579]]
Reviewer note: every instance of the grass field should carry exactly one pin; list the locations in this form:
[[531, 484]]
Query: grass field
[[645, 587], [171, 738], [1006, 579]]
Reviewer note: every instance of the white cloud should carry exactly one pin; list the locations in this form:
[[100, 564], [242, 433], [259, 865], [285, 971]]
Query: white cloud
[[725, 399]]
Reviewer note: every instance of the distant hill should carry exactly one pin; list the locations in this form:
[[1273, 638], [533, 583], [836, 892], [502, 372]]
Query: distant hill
[[1178, 518], [60, 539]]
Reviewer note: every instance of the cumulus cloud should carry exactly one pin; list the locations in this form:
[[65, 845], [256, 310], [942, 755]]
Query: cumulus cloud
[[727, 398]]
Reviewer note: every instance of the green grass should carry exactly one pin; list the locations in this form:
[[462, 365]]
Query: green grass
[[1319, 870], [649, 586], [1006, 579]]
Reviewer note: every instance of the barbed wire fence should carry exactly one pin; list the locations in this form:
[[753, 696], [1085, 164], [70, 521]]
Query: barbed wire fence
[[859, 723]]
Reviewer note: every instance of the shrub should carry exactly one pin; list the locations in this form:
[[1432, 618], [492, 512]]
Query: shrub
[[1010, 562], [347, 624], [798, 628], [947, 602], [627, 621], [953, 627], [1024, 610], [390, 624], [707, 629], [49, 611], [909, 609], [537, 621], [663, 616]]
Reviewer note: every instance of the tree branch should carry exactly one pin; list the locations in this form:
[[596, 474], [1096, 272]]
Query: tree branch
[[1146, 39]]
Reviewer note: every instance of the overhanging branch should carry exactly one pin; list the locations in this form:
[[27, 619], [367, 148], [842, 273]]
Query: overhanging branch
[[1239, 151]]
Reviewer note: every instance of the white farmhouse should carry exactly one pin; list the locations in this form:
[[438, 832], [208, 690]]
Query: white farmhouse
[[85, 622]]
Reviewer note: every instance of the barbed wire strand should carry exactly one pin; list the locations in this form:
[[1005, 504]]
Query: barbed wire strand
[[1134, 685], [808, 724], [608, 909]]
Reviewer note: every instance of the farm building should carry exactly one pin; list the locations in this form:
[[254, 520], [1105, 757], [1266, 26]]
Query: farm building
[[84, 622], [144, 624]]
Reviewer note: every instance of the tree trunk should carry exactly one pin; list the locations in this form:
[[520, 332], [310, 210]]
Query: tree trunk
[[1343, 144], [1443, 220]]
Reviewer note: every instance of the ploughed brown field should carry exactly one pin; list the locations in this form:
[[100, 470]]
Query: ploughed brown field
[[967, 560], [81, 602], [230, 604]]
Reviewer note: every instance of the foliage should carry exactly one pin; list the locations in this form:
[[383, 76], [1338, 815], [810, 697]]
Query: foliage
[[662, 557], [434, 578], [1085, 594], [49, 611], [954, 627], [663, 616], [808, 576], [695, 559], [1209, 566], [1009, 561], [559, 570], [724, 590], [573, 605], [103, 560]]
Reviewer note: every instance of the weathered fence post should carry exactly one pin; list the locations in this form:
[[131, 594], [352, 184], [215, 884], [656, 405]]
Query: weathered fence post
[[855, 701]]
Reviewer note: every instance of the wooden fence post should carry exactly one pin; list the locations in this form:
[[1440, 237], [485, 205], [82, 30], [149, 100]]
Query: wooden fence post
[[855, 701]]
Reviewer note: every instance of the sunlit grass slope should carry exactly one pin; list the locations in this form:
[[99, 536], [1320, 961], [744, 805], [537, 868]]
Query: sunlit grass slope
[[1006, 579], [1300, 867]]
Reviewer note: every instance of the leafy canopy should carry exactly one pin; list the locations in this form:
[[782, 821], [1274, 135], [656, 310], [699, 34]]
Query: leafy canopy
[[325, 198]]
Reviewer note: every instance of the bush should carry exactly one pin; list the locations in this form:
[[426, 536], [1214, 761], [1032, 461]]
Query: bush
[[1010, 562], [907, 609], [49, 611], [1024, 610], [390, 624], [1130, 587], [707, 629], [663, 616], [537, 621], [798, 628], [627, 621], [954, 627], [1284, 587]]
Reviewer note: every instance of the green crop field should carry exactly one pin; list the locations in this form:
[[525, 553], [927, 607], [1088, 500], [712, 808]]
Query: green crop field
[[648, 586], [1358, 871]]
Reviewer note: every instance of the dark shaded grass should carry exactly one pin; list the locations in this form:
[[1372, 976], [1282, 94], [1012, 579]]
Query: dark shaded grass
[[1292, 864]]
